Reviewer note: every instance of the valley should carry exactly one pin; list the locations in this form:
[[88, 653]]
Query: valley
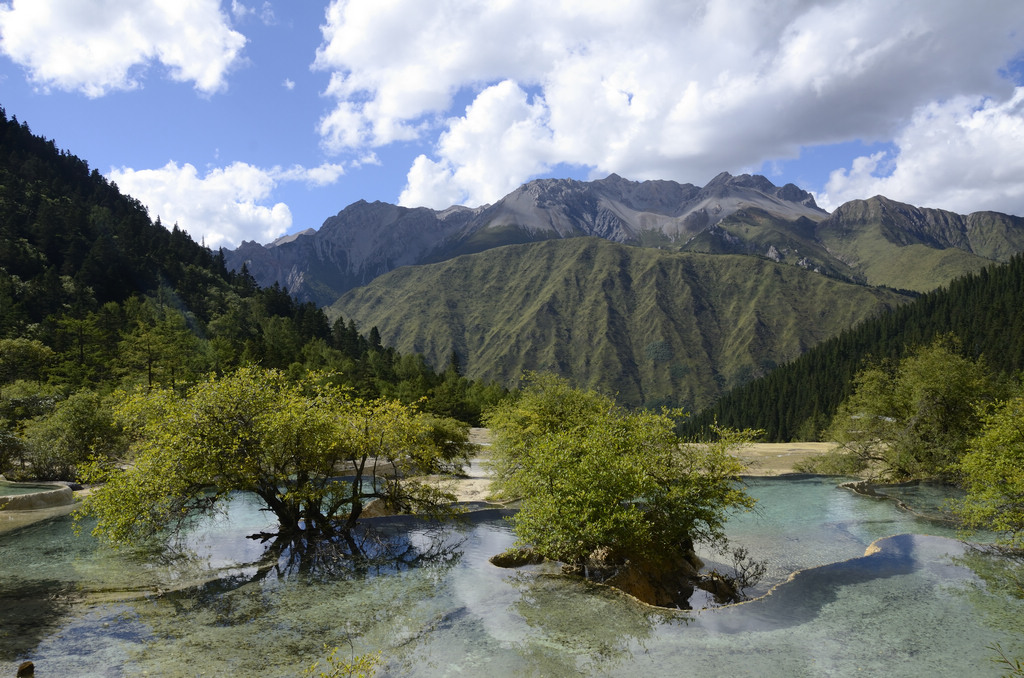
[[664, 294]]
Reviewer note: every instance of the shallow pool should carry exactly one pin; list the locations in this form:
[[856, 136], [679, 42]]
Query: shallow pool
[[924, 606], [9, 489]]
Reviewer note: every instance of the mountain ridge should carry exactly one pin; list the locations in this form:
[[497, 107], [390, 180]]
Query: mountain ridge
[[367, 239], [876, 241]]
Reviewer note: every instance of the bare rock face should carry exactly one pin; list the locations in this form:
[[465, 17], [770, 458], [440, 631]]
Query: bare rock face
[[988, 234], [361, 242], [366, 240]]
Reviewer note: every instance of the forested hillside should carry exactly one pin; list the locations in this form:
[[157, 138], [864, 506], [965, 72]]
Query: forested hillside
[[983, 311], [94, 296]]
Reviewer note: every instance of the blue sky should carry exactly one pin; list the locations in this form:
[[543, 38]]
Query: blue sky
[[250, 120]]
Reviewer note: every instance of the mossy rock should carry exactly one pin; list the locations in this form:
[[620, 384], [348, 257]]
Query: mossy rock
[[517, 558]]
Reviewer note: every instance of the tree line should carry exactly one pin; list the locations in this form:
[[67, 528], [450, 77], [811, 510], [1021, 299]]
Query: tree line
[[938, 415], [95, 296], [983, 311]]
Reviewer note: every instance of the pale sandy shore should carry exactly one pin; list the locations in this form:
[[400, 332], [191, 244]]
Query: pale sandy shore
[[476, 486], [772, 459], [762, 459]]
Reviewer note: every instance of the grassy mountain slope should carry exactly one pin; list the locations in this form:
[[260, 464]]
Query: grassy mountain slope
[[652, 326], [907, 247]]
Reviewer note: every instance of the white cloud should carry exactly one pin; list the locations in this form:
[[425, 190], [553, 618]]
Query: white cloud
[[324, 175], [97, 47], [648, 89], [265, 13], [241, 11], [226, 205], [963, 155], [517, 140], [288, 84]]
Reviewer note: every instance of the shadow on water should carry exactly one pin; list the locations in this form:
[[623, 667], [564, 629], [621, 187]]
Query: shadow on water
[[81, 604], [30, 611], [32, 606], [1000, 577], [800, 599], [301, 595]]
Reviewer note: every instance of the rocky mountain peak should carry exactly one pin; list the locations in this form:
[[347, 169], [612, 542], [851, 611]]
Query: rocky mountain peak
[[367, 239], [726, 180]]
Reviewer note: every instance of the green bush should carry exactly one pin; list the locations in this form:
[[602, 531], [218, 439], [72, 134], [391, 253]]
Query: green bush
[[78, 428], [594, 476]]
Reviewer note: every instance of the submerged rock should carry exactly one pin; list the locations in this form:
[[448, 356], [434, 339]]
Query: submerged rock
[[664, 582], [377, 509], [517, 558]]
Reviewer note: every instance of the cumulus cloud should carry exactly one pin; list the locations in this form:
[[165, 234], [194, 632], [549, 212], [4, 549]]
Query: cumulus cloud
[[97, 47], [224, 206], [509, 125], [649, 89], [963, 155]]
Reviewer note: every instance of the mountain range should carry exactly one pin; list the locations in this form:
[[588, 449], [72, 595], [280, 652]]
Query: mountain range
[[622, 285], [366, 240]]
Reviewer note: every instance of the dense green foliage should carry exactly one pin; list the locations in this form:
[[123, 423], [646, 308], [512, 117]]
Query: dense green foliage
[[993, 474], [94, 296], [79, 428], [914, 419], [593, 476], [285, 441], [936, 414], [655, 328], [983, 311]]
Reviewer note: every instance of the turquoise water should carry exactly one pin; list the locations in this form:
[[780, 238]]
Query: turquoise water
[[923, 606], [8, 489]]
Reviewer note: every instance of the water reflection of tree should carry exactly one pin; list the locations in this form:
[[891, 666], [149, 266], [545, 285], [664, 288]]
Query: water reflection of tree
[[367, 551], [30, 611], [998, 594], [581, 628], [280, 613]]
